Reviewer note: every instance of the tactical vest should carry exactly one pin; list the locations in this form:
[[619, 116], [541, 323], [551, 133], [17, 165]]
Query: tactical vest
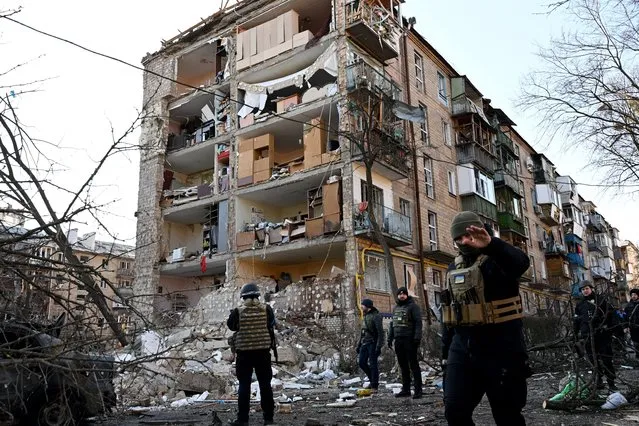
[[253, 333], [464, 302], [401, 318]]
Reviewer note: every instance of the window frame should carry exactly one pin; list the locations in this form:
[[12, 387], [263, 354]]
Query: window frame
[[429, 177], [432, 229], [419, 72], [452, 182], [442, 89]]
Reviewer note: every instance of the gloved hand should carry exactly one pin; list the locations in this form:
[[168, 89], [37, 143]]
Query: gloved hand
[[443, 363], [390, 344], [378, 352]]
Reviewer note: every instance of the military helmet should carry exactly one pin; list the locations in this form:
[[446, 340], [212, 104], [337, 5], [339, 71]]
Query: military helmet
[[250, 290]]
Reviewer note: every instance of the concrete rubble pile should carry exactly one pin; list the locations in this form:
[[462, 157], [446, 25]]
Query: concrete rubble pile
[[193, 362]]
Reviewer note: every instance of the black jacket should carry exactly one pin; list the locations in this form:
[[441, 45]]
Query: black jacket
[[595, 311], [632, 319], [501, 273], [372, 329], [413, 317]]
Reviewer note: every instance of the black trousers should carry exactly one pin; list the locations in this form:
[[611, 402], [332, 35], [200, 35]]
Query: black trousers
[[406, 351], [468, 377], [603, 355], [245, 363]]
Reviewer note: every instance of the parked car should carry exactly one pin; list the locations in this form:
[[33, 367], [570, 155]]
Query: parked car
[[43, 383]]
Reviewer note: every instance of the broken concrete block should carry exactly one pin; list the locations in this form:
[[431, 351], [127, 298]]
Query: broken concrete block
[[288, 355], [177, 338], [196, 382]]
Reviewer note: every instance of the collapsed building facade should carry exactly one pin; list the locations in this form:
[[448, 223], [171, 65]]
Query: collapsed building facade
[[251, 168]]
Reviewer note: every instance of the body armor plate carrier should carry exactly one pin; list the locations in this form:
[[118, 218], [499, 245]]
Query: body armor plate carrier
[[464, 302]]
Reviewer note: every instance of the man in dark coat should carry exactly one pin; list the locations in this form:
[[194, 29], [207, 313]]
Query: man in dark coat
[[253, 323], [486, 358], [594, 319], [406, 330], [632, 317], [370, 342]]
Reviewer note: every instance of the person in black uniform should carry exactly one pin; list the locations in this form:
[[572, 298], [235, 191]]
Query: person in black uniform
[[370, 342], [483, 349], [593, 323], [632, 317], [406, 330], [254, 324]]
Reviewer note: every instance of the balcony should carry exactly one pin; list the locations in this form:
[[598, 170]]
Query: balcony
[[598, 272], [549, 214], [360, 75], [462, 105], [576, 259], [480, 206], [389, 151], [504, 140], [373, 28], [124, 272], [529, 275], [504, 178], [470, 152], [594, 245], [395, 226], [509, 222], [596, 221]]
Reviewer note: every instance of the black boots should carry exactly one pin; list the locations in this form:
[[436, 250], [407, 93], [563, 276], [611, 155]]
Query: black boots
[[403, 394]]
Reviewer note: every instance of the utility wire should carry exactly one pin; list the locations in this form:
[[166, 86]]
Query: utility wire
[[240, 103]]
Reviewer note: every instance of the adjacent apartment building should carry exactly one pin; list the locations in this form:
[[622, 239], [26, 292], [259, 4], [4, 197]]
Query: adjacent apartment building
[[251, 166]]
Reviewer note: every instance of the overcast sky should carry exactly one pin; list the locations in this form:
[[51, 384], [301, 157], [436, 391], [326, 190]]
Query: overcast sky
[[492, 42]]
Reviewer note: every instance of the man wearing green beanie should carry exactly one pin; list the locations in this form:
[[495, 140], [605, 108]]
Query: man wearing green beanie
[[483, 349]]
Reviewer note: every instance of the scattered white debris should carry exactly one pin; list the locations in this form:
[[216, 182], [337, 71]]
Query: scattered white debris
[[297, 399], [346, 395], [392, 414], [342, 404], [291, 385], [352, 381], [627, 367], [328, 374]]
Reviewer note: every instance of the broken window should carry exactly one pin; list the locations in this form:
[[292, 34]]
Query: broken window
[[442, 88], [423, 127], [179, 302], [376, 276], [432, 230]]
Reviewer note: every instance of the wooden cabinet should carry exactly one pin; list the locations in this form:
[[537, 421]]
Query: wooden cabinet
[[324, 210]]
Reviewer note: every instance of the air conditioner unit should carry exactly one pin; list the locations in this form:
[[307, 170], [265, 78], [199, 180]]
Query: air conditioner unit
[[537, 209]]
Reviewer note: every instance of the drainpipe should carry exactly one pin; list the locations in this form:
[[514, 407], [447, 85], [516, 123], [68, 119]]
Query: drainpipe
[[420, 239]]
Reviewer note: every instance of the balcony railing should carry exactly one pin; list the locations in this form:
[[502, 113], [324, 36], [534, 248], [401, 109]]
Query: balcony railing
[[598, 272], [480, 206], [594, 245], [504, 178], [373, 28], [503, 139], [393, 224], [576, 259], [386, 149], [462, 105], [596, 221], [361, 75], [124, 272], [470, 152], [509, 222], [554, 249]]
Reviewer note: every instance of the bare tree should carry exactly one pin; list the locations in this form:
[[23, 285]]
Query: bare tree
[[376, 135], [587, 89]]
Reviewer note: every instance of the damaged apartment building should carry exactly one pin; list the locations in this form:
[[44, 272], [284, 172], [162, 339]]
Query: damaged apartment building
[[249, 172], [252, 168]]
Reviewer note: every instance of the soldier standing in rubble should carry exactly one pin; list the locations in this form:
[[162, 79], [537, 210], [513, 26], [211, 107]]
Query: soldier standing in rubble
[[593, 324], [483, 350], [370, 342], [406, 330], [254, 324]]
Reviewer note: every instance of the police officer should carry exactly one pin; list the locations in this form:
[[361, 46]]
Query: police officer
[[253, 323], [370, 342], [594, 319], [483, 349], [632, 317], [406, 330]]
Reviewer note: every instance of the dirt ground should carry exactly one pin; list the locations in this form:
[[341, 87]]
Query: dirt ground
[[384, 409]]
